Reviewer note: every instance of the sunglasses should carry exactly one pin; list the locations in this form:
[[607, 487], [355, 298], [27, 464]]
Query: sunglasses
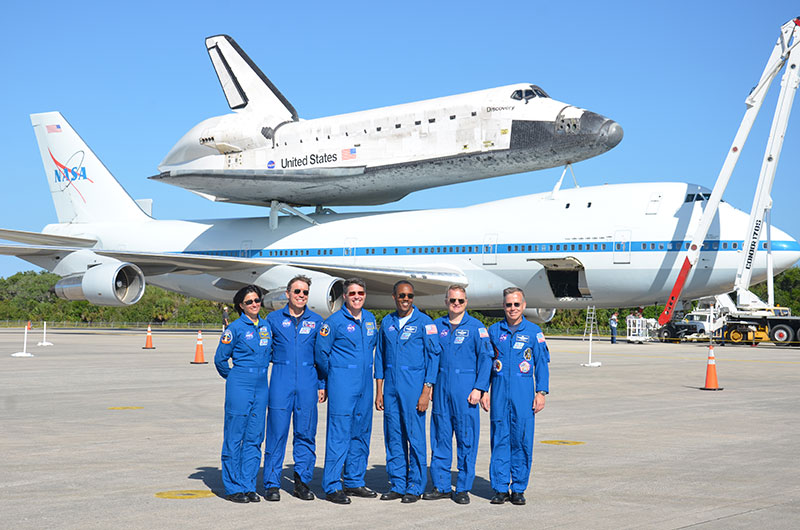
[[355, 293], [513, 304], [457, 300], [251, 302], [401, 296], [298, 291]]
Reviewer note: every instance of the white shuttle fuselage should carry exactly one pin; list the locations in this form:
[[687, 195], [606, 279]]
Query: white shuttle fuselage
[[265, 153]]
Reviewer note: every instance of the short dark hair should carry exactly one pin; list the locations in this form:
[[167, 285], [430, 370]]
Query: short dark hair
[[298, 278], [354, 281], [401, 282], [238, 298]]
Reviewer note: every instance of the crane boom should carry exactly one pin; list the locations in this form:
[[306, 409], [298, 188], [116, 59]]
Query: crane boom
[[781, 53]]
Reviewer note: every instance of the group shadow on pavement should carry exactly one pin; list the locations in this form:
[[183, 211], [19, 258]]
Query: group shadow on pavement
[[375, 478]]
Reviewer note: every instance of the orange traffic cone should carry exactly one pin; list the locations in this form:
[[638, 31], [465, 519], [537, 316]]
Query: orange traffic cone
[[198, 351], [29, 325], [148, 343], [711, 371]]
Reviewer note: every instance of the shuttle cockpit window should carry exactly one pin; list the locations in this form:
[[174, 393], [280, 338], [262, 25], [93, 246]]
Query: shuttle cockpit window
[[517, 95], [529, 93]]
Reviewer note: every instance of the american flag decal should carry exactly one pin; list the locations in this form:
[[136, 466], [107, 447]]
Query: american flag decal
[[349, 154], [53, 128]]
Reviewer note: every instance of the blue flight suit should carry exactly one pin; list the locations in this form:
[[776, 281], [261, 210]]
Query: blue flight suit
[[344, 354], [464, 364], [406, 359], [293, 390], [520, 369], [246, 396]]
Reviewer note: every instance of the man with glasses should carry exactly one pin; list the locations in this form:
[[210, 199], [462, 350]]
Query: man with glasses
[[344, 354], [464, 367], [406, 364], [294, 390], [519, 383]]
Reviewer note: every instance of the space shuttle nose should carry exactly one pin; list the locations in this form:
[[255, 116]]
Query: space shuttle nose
[[613, 133], [607, 132]]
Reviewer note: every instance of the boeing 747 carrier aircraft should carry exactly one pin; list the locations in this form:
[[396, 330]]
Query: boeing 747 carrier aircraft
[[611, 246], [264, 152]]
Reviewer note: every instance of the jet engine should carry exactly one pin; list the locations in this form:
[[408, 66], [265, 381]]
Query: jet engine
[[111, 283], [324, 296], [539, 315]]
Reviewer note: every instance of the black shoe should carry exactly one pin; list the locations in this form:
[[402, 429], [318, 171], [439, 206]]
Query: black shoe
[[252, 496], [517, 498], [361, 491], [391, 496], [337, 497], [461, 497], [272, 494], [238, 497], [435, 494], [301, 489], [408, 498], [499, 497]]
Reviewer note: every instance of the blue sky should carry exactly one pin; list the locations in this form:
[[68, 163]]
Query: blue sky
[[132, 80]]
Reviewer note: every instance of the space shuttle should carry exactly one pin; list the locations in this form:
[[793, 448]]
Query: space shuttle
[[264, 154]]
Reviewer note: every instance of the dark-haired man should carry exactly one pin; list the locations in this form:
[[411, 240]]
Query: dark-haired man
[[294, 390], [344, 355], [406, 364]]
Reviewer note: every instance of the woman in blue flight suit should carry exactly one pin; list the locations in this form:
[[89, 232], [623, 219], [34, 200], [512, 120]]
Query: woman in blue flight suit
[[248, 342]]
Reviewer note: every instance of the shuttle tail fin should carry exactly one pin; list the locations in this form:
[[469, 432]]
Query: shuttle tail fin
[[83, 189], [244, 84]]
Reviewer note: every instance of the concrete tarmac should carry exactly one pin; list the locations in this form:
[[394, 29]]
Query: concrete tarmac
[[99, 433]]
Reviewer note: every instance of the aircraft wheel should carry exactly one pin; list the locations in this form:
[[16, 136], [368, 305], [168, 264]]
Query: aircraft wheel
[[781, 335]]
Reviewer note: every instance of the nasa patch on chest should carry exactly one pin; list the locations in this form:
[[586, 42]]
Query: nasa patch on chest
[[524, 367], [249, 335], [286, 323], [351, 328]]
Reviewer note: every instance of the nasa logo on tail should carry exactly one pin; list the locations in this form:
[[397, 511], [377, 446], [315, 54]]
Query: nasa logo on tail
[[66, 174]]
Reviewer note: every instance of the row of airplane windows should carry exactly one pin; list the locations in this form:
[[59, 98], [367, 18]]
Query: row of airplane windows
[[396, 126], [473, 249]]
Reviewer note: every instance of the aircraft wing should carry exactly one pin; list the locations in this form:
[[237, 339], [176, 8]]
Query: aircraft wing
[[37, 238], [427, 280]]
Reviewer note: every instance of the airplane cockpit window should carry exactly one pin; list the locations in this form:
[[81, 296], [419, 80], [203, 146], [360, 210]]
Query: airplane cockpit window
[[517, 95]]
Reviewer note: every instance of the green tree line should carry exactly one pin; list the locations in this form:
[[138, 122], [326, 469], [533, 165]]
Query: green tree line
[[30, 296]]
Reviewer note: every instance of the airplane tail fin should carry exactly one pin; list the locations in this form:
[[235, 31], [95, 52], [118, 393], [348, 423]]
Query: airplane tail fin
[[244, 84], [82, 187]]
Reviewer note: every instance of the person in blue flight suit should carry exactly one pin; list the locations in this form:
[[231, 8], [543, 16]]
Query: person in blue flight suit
[[248, 343], [344, 354], [406, 364], [294, 390], [464, 367], [519, 383]]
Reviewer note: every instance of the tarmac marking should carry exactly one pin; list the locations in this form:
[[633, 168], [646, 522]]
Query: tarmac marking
[[125, 408], [655, 356], [185, 494], [561, 442]]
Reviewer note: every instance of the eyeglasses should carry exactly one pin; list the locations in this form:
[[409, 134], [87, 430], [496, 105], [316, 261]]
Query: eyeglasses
[[298, 291], [401, 296], [457, 300], [355, 293], [513, 304], [252, 301]]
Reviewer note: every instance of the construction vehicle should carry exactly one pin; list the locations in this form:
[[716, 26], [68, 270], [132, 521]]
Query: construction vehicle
[[750, 319]]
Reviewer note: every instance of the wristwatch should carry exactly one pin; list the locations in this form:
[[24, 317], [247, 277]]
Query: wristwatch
[[542, 392], [429, 385]]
